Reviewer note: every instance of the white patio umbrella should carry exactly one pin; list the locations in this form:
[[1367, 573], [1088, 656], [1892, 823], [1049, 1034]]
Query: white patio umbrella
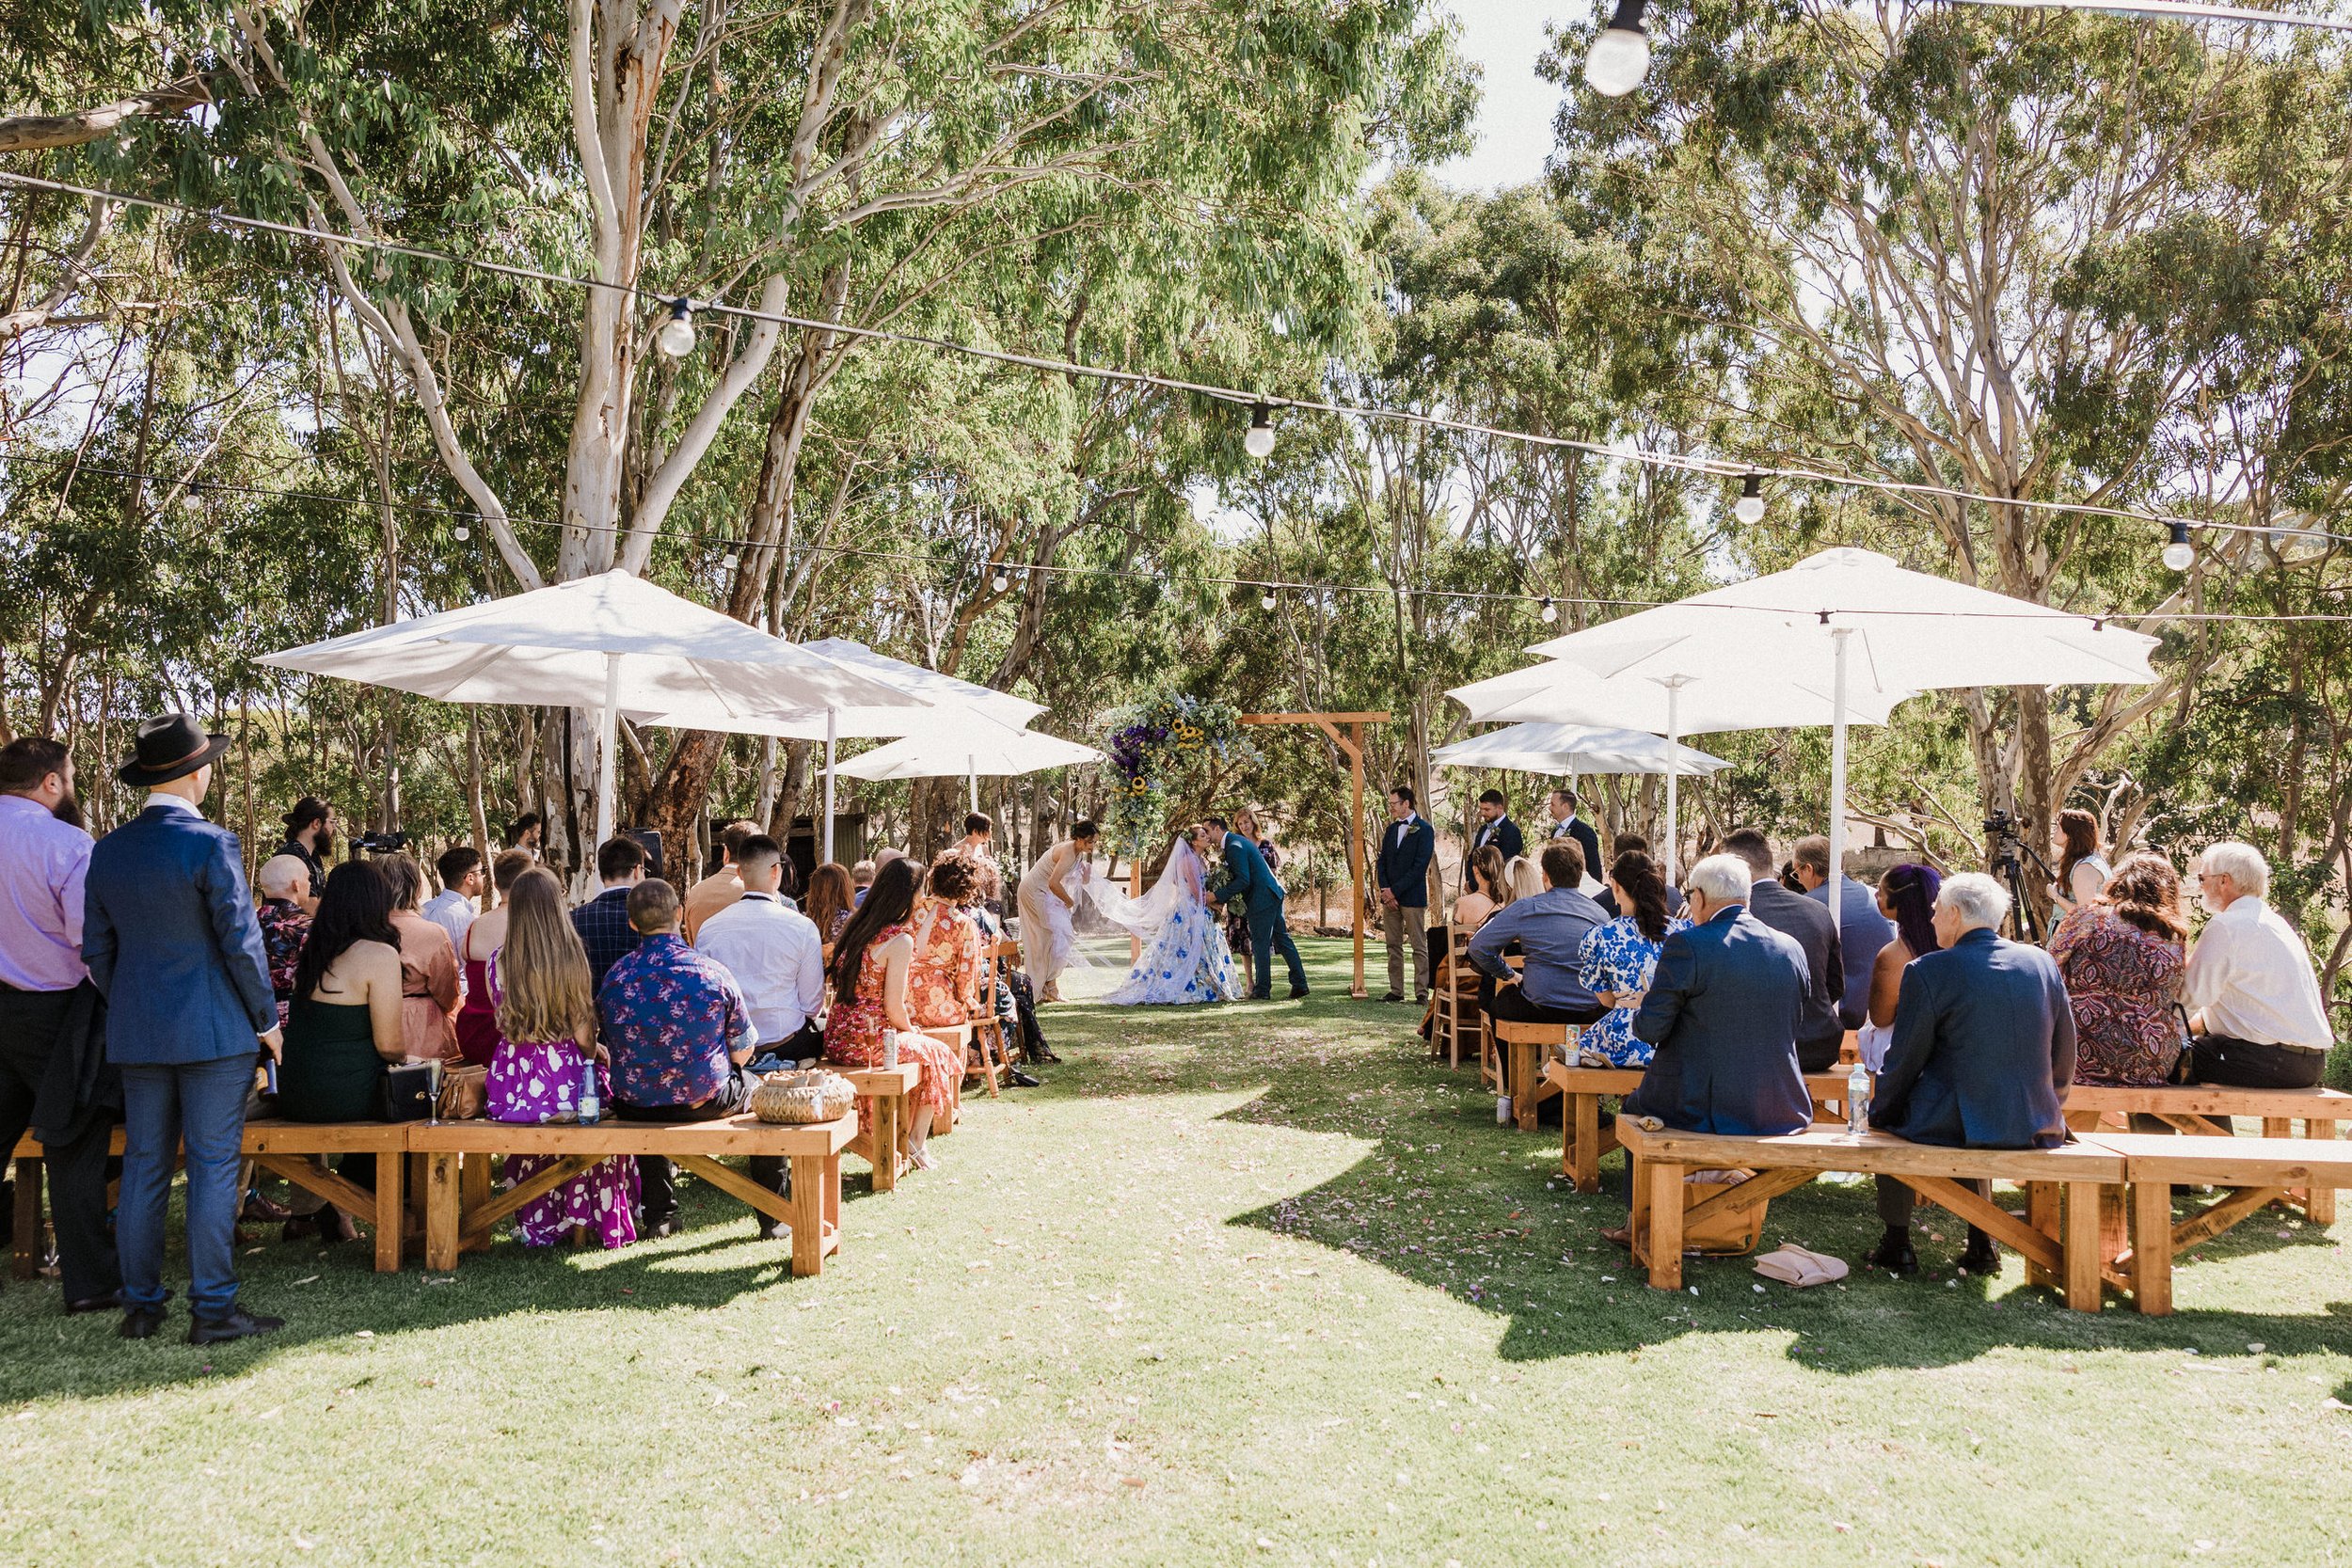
[[1575, 749], [936, 693], [971, 745], [1871, 632], [1565, 691], [611, 642]]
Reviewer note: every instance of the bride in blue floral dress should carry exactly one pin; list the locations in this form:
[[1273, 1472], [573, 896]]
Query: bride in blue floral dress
[[1184, 956]]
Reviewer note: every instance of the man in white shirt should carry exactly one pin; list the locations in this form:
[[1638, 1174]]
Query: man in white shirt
[[452, 908], [774, 954], [2255, 1014]]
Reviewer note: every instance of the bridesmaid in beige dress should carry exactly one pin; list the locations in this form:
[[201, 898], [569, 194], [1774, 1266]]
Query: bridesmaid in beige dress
[[1048, 898]]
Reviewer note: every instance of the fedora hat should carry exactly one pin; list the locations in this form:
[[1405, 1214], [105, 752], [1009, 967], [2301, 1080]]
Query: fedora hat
[[169, 746]]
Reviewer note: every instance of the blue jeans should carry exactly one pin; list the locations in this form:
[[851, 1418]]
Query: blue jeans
[[203, 1103]]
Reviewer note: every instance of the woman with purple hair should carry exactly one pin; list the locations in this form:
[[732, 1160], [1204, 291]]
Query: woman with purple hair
[[1907, 898]]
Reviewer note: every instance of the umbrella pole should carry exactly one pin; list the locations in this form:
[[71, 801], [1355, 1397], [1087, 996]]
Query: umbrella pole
[[972, 777], [832, 717], [1838, 778], [1673, 771], [609, 723]]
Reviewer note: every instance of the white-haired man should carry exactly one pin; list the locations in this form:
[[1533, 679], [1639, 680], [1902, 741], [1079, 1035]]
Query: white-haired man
[[2256, 1014], [1723, 1012], [1982, 1055]]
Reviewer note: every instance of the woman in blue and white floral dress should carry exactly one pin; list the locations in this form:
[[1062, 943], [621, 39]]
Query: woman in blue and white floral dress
[[1186, 957], [1620, 958]]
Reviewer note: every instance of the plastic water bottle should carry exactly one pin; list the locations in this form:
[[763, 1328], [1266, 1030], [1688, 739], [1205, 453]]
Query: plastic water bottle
[[1858, 1099], [890, 1048], [591, 1107]]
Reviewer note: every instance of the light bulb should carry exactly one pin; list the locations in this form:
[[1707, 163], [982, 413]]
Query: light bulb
[[1619, 58], [461, 533], [1259, 439], [676, 337], [1000, 582], [2180, 554], [1551, 612], [1268, 601], [1749, 508], [730, 560]]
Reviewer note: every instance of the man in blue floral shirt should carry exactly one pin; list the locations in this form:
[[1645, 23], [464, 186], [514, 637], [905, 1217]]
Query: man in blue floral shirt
[[679, 1032]]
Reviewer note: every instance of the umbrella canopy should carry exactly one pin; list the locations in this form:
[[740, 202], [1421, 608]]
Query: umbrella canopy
[[1564, 692], [1574, 749], [968, 747], [614, 641], [1869, 631]]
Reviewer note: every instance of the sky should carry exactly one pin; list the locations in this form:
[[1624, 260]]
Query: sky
[[1515, 110]]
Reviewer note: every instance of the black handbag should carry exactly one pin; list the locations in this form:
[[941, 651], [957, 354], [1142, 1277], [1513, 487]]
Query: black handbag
[[405, 1093], [2184, 1065]]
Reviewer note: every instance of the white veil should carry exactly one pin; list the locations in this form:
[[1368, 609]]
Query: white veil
[[1180, 883]]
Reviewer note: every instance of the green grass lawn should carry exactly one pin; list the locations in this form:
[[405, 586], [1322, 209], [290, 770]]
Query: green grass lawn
[[1250, 1285]]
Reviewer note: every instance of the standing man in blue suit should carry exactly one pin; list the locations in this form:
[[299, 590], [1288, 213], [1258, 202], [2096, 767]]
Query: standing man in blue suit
[[1402, 869], [1250, 882], [170, 938]]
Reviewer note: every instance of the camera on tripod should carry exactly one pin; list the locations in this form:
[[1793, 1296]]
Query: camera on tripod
[[379, 843], [2003, 843]]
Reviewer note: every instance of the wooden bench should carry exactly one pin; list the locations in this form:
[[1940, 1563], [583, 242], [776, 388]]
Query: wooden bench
[[815, 1149], [1583, 1140], [2259, 1171], [887, 1088], [2208, 1108], [1520, 1051], [2064, 1243], [283, 1149]]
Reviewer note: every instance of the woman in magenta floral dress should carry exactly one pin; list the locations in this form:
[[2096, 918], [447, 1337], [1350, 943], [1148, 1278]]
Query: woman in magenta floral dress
[[2122, 955], [869, 984], [547, 1016]]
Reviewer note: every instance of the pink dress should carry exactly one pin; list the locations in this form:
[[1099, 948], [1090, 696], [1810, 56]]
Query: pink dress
[[477, 1018], [854, 1037], [536, 1081]]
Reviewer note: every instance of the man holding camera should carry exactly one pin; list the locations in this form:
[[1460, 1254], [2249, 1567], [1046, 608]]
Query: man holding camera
[[309, 838]]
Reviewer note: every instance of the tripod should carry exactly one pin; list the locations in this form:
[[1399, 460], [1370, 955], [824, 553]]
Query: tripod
[[2008, 858]]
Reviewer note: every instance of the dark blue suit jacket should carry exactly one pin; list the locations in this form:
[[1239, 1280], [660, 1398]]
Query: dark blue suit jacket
[[1722, 1013], [1983, 1050], [1403, 867], [1248, 880], [165, 909]]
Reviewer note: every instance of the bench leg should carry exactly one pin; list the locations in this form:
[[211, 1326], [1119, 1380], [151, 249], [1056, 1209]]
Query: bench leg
[[2319, 1203], [391, 1210], [1582, 1112], [1525, 1065], [1665, 1225], [473, 1191], [27, 1259], [441, 1211], [2152, 1247], [2081, 1246], [816, 1211], [885, 1153], [2042, 1215]]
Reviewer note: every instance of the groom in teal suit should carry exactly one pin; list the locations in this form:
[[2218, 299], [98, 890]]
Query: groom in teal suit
[[1248, 880]]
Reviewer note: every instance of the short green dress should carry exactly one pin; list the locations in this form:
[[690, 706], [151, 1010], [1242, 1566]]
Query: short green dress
[[330, 1070]]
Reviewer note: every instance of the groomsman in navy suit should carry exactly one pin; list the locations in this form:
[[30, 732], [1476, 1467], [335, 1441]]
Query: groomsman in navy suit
[[1405, 852], [1495, 827], [170, 937]]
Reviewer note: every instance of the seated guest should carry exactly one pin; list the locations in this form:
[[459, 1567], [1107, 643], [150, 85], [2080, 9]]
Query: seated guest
[[280, 883], [1550, 928], [1983, 1053], [537, 981], [774, 955], [870, 964], [861, 879], [1861, 930], [452, 908], [1015, 1009], [1821, 1032], [723, 886], [948, 975], [831, 899], [678, 1033], [605, 931], [428, 965], [1626, 844], [2123, 955], [1621, 957], [1522, 878], [2254, 1004], [1906, 896], [1483, 891], [1720, 1016], [477, 1015], [346, 1024]]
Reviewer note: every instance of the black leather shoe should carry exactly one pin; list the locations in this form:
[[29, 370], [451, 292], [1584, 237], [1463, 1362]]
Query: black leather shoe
[[773, 1230], [658, 1230], [106, 1303], [239, 1324], [1297, 992], [1894, 1252], [1022, 1080], [1981, 1260], [1043, 1055], [140, 1322], [1393, 996]]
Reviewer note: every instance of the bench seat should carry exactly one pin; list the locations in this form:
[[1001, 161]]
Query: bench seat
[[888, 1088], [1583, 1140], [2259, 1171], [2209, 1108]]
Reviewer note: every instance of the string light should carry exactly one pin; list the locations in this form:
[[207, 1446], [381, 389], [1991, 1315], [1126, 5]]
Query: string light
[[1749, 508], [1551, 612], [1267, 600], [1619, 58], [1258, 440], [730, 560], [2180, 554], [461, 533], [999, 582], [676, 337]]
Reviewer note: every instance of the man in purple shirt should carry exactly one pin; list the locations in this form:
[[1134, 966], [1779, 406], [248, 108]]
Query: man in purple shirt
[[679, 1032], [52, 1071]]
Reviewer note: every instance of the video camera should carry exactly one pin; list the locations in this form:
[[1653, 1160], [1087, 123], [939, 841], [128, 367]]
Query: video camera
[[379, 843], [2003, 843]]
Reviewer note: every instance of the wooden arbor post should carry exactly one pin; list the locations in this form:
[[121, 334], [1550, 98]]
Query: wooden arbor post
[[1351, 743]]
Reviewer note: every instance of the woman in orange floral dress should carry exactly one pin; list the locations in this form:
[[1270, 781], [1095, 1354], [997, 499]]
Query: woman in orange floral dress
[[873, 964], [949, 971]]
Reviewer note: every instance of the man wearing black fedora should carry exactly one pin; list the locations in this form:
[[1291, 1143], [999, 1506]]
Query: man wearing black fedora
[[170, 937]]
